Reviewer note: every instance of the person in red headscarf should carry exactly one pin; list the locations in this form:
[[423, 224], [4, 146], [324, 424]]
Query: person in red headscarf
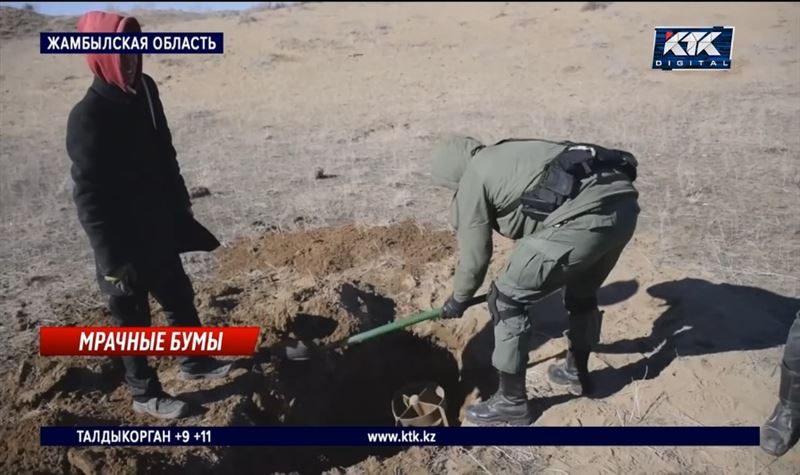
[[133, 204]]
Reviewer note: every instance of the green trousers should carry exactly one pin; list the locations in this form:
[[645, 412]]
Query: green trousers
[[576, 255]]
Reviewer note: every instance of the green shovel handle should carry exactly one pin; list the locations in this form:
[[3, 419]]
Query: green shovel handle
[[402, 323]]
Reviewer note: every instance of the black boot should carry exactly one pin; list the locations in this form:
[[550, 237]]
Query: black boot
[[572, 372], [782, 429], [509, 405], [204, 367]]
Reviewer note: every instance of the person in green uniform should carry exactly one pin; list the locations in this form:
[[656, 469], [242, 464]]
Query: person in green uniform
[[571, 208], [782, 430]]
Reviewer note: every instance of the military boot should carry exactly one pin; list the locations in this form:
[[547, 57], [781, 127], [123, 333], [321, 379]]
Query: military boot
[[162, 406], [572, 372], [585, 322], [782, 429], [509, 405], [204, 367]]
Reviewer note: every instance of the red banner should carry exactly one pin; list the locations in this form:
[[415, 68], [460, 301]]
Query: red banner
[[147, 341]]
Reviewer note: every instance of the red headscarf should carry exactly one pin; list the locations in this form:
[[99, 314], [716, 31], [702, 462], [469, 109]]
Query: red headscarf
[[108, 67]]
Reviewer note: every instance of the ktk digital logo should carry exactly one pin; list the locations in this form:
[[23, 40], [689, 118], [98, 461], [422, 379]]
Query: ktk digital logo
[[693, 48]]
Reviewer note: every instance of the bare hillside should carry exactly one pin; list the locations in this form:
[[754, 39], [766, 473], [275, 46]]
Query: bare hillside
[[362, 91]]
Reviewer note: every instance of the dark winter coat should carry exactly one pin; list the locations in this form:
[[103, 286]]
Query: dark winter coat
[[131, 198]]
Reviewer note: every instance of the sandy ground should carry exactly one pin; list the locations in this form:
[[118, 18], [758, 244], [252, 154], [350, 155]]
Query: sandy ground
[[696, 312]]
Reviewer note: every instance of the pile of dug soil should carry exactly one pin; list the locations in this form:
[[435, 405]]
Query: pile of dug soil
[[325, 251], [324, 284]]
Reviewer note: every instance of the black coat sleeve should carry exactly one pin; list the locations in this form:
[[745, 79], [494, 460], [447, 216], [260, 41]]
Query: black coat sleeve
[[180, 194], [92, 192]]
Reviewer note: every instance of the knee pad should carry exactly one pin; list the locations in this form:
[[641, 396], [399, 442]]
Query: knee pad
[[502, 306]]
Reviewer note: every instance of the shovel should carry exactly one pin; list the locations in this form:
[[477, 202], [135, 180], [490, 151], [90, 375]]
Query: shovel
[[302, 351]]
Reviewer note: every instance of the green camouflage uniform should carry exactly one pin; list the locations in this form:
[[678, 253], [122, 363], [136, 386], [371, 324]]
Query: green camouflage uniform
[[575, 247]]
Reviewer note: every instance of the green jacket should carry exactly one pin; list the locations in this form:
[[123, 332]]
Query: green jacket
[[488, 182]]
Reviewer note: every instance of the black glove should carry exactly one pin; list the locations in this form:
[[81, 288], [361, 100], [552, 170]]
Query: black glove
[[453, 308]]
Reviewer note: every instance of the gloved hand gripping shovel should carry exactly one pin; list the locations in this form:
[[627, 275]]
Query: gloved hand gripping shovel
[[302, 351]]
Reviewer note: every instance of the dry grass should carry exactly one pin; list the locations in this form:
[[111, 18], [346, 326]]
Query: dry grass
[[363, 91]]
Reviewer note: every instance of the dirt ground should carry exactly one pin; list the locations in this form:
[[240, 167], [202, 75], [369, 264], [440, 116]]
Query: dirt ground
[[697, 310]]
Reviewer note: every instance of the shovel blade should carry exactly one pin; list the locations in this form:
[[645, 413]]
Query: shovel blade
[[297, 351]]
